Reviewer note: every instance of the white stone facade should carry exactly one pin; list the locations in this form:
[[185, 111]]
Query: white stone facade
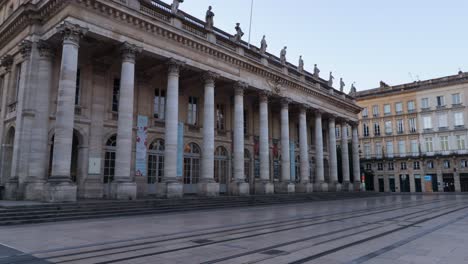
[[222, 118]]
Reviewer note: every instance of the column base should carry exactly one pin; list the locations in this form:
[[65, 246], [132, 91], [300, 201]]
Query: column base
[[357, 186], [124, 190], [321, 187], [57, 192], [348, 187], [209, 189], [240, 188], [264, 187], [92, 189], [304, 187], [11, 189], [336, 187], [170, 189], [285, 187], [34, 190]]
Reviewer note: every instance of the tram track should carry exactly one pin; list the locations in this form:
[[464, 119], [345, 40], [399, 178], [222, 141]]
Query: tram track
[[150, 246]]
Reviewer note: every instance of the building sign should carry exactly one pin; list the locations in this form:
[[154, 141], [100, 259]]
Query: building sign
[[141, 146], [292, 158], [180, 149], [428, 178]]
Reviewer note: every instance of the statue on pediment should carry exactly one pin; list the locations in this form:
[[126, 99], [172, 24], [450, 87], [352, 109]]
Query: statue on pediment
[[330, 79], [263, 45], [283, 55], [353, 89], [209, 19], [300, 66], [175, 6], [316, 71], [342, 85], [239, 33]]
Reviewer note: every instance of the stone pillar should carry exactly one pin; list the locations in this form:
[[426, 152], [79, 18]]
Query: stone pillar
[[336, 185], [35, 185], [320, 184], [239, 186], [14, 188], [356, 164], [170, 187], [304, 186], [264, 186], [123, 187], [347, 185], [207, 185], [60, 187], [285, 185], [5, 173]]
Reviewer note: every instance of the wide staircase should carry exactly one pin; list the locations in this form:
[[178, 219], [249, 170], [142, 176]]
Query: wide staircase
[[40, 213]]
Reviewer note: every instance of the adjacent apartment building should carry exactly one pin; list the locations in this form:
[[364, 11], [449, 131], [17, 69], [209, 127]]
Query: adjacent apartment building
[[413, 136]]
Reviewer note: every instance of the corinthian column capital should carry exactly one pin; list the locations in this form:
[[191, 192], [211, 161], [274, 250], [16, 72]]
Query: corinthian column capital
[[25, 48], [240, 87], [129, 51], [7, 62], [210, 77], [71, 33], [45, 50], [174, 66]]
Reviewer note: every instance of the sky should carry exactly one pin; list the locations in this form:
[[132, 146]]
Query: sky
[[362, 41]]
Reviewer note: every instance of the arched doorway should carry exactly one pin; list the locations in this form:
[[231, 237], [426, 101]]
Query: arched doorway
[[74, 165], [155, 164], [7, 156], [221, 169], [192, 156], [109, 164]]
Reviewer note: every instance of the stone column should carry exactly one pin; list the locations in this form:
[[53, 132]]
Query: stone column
[[6, 62], [170, 186], [285, 185], [239, 186], [264, 186], [347, 185], [40, 131], [320, 184], [207, 185], [332, 155], [60, 187], [304, 186], [123, 187], [356, 164]]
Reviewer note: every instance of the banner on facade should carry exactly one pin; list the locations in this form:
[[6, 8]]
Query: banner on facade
[[141, 146], [292, 158], [180, 149]]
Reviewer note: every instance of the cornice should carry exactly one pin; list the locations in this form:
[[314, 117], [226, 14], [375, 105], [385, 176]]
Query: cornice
[[150, 25]]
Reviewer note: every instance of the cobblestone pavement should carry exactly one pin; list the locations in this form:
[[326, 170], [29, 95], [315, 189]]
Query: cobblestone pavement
[[387, 229]]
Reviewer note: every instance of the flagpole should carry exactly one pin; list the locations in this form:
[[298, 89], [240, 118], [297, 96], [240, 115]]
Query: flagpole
[[250, 25]]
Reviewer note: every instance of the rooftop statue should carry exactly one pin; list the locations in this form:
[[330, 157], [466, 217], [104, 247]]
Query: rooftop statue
[[316, 71], [330, 80], [353, 89], [283, 55], [239, 33], [342, 85], [175, 6], [209, 19], [300, 65], [263, 45]]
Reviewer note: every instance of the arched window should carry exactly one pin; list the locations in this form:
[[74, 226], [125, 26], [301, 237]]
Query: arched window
[[156, 161], [221, 165], [247, 164], [192, 155], [109, 159]]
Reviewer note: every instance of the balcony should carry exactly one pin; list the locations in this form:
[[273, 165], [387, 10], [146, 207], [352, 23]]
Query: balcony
[[441, 107], [425, 109], [444, 128], [411, 111], [459, 105], [459, 127], [400, 132]]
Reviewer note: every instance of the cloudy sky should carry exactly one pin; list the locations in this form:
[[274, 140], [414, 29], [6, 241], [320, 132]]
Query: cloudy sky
[[363, 41]]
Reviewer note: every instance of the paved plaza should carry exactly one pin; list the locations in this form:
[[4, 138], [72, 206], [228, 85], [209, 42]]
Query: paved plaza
[[385, 229]]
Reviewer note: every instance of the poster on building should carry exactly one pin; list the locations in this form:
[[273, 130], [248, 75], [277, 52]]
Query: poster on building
[[180, 149], [141, 146], [292, 158]]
